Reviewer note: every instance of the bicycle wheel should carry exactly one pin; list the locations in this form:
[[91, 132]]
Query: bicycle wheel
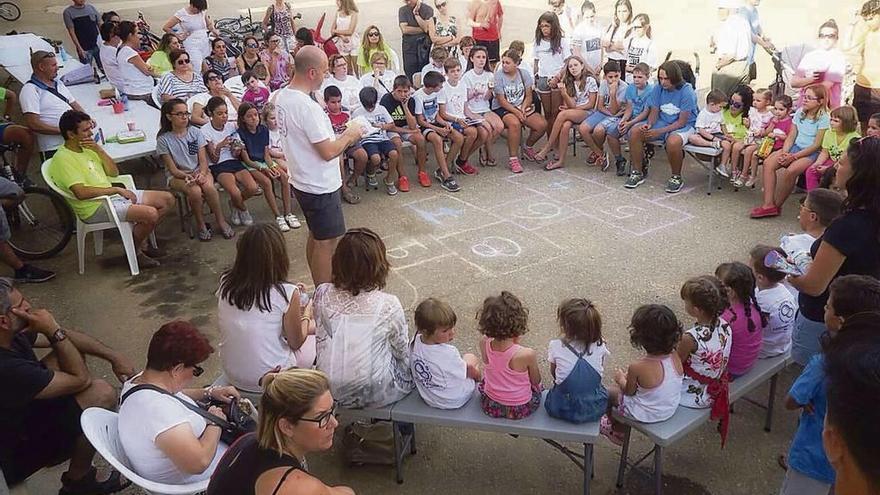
[[41, 225], [9, 11], [228, 23]]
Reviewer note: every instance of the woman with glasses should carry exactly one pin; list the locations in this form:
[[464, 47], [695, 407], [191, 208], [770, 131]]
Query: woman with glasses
[[297, 418], [826, 65], [445, 32], [349, 86], [849, 246], [215, 86], [137, 76], [362, 334], [181, 147], [277, 60], [194, 26], [182, 82], [159, 60], [219, 61], [372, 43], [163, 439], [250, 56]]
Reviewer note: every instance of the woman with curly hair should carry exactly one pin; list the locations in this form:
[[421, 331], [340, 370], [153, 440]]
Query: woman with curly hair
[[511, 386], [362, 335]]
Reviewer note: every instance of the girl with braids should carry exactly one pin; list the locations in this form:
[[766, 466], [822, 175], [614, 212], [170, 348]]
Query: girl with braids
[[744, 316], [704, 350]]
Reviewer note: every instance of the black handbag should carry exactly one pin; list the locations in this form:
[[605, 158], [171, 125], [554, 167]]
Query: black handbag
[[237, 423]]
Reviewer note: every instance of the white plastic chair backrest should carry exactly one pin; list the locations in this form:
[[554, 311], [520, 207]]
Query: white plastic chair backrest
[[234, 85], [44, 170], [155, 94], [100, 428], [395, 61]]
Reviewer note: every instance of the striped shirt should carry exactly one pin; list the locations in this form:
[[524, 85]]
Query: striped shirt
[[172, 85]]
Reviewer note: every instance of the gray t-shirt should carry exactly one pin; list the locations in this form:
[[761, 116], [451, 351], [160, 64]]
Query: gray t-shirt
[[410, 42], [84, 21], [514, 90], [184, 150], [604, 91]]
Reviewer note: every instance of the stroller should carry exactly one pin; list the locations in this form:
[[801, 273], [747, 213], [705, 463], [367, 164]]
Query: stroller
[[785, 63]]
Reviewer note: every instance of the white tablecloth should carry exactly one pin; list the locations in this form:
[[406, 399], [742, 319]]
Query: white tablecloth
[[15, 49]]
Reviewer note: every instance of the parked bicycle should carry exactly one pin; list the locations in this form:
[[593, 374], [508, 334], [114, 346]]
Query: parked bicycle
[[42, 223]]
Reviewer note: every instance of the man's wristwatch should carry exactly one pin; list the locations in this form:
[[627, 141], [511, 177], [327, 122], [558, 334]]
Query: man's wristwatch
[[58, 336]]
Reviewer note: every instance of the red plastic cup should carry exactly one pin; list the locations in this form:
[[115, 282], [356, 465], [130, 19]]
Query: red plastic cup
[[118, 107]]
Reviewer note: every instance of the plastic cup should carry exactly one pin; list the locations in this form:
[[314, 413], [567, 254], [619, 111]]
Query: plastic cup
[[131, 125], [118, 107]]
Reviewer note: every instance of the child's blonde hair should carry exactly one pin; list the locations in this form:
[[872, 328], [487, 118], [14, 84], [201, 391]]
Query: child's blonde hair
[[580, 321], [268, 109], [766, 94], [518, 46], [503, 317], [432, 315], [377, 56], [849, 118]]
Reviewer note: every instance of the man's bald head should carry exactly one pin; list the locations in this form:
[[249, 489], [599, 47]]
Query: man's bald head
[[309, 57]]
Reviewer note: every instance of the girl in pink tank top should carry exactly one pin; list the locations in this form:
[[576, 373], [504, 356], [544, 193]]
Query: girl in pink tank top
[[511, 386]]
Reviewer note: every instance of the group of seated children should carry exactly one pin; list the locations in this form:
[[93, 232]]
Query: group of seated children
[[244, 156], [741, 314]]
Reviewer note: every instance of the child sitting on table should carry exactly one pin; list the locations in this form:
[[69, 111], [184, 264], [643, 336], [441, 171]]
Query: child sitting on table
[[511, 386], [705, 350], [257, 157], [577, 363], [444, 378], [776, 302], [649, 390], [809, 471]]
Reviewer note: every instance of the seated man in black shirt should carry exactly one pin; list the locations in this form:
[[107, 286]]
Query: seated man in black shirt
[[43, 399]]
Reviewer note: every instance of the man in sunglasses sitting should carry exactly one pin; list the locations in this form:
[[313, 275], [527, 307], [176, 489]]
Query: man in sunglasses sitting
[[43, 399]]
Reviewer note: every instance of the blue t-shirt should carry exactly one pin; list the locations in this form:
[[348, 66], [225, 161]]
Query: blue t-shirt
[[638, 101], [807, 128], [807, 456], [255, 143], [673, 102]]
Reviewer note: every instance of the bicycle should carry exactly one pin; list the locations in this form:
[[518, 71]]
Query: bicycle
[[42, 223], [9, 11], [148, 40]]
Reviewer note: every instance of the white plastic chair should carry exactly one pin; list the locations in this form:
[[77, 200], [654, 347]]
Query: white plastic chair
[[157, 100], [100, 428], [82, 228]]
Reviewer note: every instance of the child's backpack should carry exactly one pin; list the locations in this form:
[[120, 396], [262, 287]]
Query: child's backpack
[[581, 397]]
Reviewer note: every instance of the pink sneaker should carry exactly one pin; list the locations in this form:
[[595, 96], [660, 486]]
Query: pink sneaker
[[515, 165], [530, 154], [607, 430]]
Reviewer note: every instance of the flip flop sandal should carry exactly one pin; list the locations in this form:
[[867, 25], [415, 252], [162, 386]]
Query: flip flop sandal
[[553, 165], [490, 162], [591, 160], [351, 197], [204, 235]]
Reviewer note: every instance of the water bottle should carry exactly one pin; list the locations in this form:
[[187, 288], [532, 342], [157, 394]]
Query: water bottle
[[63, 53], [124, 99]]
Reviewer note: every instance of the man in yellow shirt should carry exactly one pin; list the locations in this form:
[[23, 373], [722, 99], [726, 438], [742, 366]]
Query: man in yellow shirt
[[83, 168], [863, 46]]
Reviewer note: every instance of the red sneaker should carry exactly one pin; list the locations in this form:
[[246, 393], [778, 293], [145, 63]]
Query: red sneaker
[[765, 212], [424, 180], [466, 168], [403, 184]]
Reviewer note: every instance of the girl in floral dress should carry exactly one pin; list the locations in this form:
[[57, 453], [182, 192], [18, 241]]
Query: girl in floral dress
[[705, 350]]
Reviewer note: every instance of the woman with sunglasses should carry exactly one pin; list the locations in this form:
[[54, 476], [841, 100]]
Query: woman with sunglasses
[[163, 439], [826, 65], [372, 43], [362, 335], [215, 86], [194, 25], [159, 60], [250, 56], [182, 82], [277, 60], [297, 418], [849, 246], [445, 32]]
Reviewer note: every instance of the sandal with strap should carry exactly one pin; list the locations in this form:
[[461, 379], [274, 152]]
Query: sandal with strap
[[89, 484], [228, 233], [553, 165], [205, 234]]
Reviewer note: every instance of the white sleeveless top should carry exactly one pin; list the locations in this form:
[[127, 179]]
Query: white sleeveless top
[[652, 405]]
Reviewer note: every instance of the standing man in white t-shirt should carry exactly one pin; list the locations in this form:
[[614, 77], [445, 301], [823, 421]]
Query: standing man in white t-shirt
[[732, 44], [44, 99], [313, 152]]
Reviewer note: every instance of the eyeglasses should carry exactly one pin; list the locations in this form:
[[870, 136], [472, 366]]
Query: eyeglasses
[[180, 114], [213, 78], [323, 419], [373, 33], [198, 371], [275, 40], [638, 26], [252, 45], [811, 98], [827, 36], [182, 61]]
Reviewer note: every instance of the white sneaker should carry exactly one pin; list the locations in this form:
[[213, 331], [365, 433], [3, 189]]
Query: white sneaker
[[723, 171], [282, 224], [234, 215], [246, 218], [292, 221]]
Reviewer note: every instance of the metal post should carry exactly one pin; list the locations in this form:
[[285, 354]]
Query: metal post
[[398, 455], [770, 401], [623, 457], [658, 470]]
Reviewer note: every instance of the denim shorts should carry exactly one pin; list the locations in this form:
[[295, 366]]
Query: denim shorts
[[812, 156], [805, 339], [382, 148], [599, 119]]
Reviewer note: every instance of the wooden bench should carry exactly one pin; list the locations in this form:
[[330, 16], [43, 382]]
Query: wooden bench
[[686, 420], [413, 410]]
